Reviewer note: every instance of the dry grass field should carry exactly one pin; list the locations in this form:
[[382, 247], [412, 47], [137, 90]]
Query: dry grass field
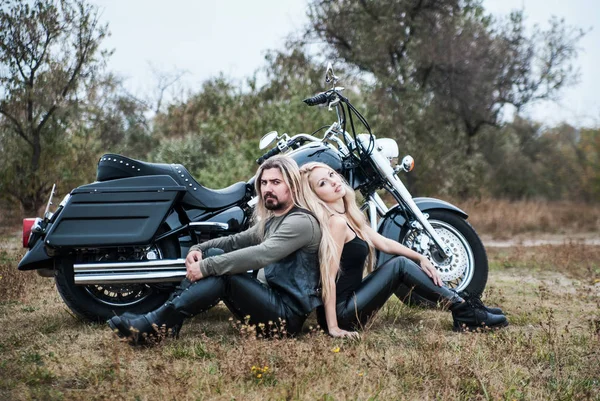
[[502, 219], [550, 351]]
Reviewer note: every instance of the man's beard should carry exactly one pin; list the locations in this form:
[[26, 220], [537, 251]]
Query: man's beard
[[273, 204]]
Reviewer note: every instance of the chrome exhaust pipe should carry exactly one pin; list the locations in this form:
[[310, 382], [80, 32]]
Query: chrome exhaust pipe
[[152, 271]]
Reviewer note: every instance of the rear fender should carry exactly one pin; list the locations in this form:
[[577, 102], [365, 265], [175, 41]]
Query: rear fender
[[36, 258]]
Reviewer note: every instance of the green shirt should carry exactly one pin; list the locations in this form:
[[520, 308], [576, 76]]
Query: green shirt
[[245, 251]]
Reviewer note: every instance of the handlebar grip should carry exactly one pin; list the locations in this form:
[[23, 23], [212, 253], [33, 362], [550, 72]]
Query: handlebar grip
[[268, 155], [321, 98]]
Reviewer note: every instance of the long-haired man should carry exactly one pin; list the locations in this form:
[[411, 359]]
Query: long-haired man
[[282, 245]]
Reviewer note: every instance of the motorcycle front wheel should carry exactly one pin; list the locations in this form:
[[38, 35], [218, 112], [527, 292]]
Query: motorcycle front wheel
[[101, 302], [466, 270]]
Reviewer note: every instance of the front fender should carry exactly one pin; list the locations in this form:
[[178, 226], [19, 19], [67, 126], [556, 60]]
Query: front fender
[[425, 204], [393, 224]]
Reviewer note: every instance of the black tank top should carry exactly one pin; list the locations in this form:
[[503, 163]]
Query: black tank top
[[352, 263]]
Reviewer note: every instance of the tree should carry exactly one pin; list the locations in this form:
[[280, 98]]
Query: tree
[[589, 157], [116, 119], [49, 55], [215, 133], [448, 56]]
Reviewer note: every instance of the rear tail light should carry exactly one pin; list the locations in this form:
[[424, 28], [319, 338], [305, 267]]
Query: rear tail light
[[27, 225]]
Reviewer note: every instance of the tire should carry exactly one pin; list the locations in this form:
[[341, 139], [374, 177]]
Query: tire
[[100, 302], [469, 262]]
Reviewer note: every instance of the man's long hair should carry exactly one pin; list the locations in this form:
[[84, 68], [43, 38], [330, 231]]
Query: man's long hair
[[291, 176], [328, 249]]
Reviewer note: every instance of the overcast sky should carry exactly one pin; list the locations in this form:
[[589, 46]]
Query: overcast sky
[[207, 37]]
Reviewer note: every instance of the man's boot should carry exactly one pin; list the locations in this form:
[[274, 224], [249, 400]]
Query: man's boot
[[167, 320], [470, 317]]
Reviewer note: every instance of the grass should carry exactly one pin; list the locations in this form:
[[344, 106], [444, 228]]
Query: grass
[[551, 350], [503, 219]]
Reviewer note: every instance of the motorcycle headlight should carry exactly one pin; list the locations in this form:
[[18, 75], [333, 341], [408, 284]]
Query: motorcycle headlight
[[387, 147]]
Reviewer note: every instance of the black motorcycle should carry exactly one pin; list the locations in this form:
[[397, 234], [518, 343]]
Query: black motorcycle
[[116, 245]]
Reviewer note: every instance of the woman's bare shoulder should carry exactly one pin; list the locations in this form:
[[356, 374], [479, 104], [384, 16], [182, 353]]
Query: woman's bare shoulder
[[337, 223]]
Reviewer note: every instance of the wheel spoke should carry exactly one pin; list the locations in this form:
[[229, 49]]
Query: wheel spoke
[[456, 271]]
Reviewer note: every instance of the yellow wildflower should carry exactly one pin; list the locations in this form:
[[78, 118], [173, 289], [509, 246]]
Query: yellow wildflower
[[335, 350]]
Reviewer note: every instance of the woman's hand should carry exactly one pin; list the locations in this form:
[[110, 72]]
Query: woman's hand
[[430, 270], [337, 332], [192, 266]]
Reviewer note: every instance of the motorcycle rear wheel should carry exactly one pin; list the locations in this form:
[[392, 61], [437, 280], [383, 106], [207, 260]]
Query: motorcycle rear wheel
[[101, 302], [468, 271]]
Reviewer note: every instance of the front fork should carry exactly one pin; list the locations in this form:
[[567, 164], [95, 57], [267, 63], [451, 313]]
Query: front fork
[[385, 169], [375, 208]]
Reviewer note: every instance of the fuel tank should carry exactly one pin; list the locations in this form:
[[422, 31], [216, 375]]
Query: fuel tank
[[318, 152]]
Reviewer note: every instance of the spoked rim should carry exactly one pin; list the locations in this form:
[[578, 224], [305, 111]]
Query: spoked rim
[[114, 295], [124, 294], [457, 271]]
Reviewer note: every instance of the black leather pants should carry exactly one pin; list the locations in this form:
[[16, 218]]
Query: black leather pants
[[244, 296], [379, 286]]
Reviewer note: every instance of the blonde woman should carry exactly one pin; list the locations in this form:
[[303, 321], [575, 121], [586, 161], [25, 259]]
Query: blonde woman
[[347, 248]]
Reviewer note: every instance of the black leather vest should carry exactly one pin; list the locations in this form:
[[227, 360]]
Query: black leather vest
[[297, 278]]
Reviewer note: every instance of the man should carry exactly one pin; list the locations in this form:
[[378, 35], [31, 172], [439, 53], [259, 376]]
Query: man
[[282, 244]]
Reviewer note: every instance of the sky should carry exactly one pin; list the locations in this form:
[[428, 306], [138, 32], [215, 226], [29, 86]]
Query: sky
[[204, 38]]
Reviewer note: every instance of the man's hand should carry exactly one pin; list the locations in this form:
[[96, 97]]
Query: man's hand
[[192, 265], [192, 257]]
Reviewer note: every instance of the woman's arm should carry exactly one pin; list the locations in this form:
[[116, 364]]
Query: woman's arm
[[395, 248], [338, 228]]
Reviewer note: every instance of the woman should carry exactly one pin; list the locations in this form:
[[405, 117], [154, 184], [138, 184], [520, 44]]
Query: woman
[[347, 247]]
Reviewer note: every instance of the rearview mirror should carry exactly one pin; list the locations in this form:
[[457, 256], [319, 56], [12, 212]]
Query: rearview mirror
[[329, 75], [267, 139]]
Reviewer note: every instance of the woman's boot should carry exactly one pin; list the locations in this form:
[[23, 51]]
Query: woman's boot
[[468, 316], [477, 301]]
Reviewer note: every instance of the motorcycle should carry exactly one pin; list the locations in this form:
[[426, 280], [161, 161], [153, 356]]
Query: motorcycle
[[432, 227], [116, 245]]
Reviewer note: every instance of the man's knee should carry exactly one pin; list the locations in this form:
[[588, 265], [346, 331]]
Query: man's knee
[[212, 252]]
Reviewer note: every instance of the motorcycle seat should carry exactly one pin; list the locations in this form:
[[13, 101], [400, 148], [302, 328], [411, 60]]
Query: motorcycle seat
[[113, 166]]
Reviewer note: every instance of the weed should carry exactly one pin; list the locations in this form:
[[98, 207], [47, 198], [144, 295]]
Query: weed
[[489, 216], [39, 376], [181, 350], [32, 357], [550, 350]]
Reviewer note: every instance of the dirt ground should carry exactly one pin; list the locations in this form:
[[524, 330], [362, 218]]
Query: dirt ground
[[537, 239]]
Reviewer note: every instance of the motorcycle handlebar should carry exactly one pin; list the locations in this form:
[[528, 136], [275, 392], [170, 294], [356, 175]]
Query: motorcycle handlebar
[[268, 155], [321, 98]]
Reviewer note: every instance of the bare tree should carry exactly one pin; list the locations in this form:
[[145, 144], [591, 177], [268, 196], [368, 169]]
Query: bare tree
[[49, 50], [164, 82], [449, 55]]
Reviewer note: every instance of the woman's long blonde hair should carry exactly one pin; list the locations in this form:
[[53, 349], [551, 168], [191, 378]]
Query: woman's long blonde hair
[[356, 219]]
